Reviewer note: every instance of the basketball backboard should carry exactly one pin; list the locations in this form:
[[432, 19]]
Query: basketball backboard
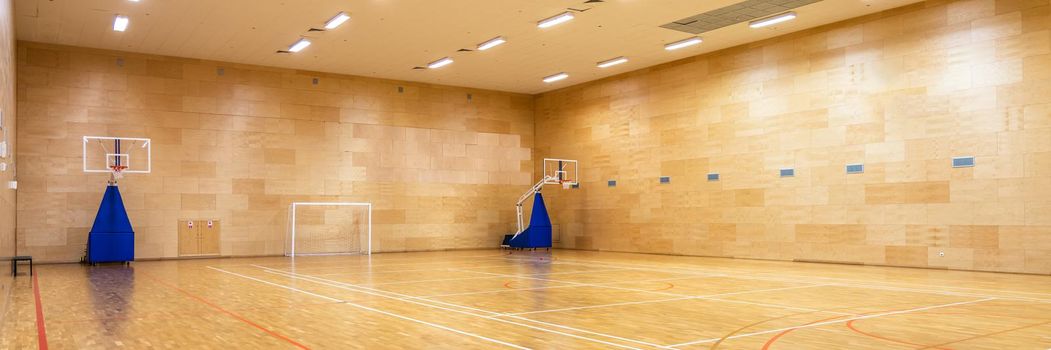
[[117, 155], [561, 171]]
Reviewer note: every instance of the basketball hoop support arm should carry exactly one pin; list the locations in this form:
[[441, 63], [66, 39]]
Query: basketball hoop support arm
[[518, 207]]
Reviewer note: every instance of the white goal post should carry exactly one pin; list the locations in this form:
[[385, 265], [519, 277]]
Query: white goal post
[[315, 235]]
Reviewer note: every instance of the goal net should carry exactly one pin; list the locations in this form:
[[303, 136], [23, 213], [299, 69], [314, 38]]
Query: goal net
[[322, 228]]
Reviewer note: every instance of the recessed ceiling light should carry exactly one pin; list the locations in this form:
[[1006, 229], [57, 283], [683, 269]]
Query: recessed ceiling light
[[299, 45], [772, 20], [336, 21], [612, 62], [682, 43], [120, 23], [559, 18], [445, 61], [134, 0], [556, 77], [488, 44]]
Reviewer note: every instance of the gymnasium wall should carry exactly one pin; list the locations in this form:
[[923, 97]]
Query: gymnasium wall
[[902, 92], [239, 144], [7, 106]]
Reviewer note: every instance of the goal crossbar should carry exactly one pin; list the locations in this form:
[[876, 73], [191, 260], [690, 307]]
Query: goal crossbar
[[292, 221]]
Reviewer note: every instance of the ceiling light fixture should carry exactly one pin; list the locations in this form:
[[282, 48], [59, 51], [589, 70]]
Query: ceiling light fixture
[[556, 77], [445, 61], [337, 21], [557, 19], [682, 43], [772, 20], [299, 45], [488, 44], [612, 62], [120, 23]]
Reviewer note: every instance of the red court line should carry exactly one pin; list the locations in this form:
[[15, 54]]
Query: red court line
[[774, 339], [989, 334], [943, 313], [41, 333], [850, 324], [230, 313], [508, 284]]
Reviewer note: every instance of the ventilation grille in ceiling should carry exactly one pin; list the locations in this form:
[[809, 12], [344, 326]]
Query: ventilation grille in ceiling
[[740, 12]]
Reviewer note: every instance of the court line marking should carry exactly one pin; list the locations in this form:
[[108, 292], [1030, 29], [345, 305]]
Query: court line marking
[[697, 297], [398, 271], [702, 341], [409, 299], [979, 336], [227, 312], [752, 275], [478, 278], [669, 294], [460, 278], [375, 310], [579, 283], [554, 287], [370, 263], [41, 330]]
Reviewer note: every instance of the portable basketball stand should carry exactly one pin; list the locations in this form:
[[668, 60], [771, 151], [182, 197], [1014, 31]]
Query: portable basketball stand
[[538, 234], [112, 238]]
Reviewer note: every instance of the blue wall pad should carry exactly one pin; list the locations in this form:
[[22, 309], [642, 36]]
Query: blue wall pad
[[788, 172], [538, 235], [665, 179], [855, 168], [611, 183], [111, 238], [713, 177]]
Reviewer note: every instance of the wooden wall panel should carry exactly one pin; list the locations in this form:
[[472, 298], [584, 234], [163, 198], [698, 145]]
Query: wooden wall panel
[[902, 91], [442, 170], [7, 106]]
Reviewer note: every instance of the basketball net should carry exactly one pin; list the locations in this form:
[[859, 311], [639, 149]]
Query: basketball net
[[116, 173], [566, 185]]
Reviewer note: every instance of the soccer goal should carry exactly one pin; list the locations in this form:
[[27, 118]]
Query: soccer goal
[[328, 228]]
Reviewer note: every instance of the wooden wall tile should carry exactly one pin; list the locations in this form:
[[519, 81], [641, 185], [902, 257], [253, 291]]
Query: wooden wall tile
[[241, 146], [902, 92]]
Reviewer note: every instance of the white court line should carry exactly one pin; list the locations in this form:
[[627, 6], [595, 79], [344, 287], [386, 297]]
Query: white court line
[[698, 297], [479, 278], [580, 283], [408, 299], [682, 295], [506, 290], [409, 270], [375, 310], [364, 259], [370, 264], [751, 275], [834, 322]]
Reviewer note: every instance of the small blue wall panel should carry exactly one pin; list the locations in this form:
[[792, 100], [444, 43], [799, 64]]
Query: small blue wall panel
[[538, 235], [611, 183], [713, 177], [111, 238], [962, 162], [665, 179], [788, 172], [855, 168]]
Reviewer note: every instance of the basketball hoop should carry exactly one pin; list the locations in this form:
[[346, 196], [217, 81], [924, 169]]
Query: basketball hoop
[[117, 171]]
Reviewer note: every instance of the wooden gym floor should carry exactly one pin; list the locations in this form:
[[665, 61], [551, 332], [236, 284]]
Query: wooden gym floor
[[484, 299]]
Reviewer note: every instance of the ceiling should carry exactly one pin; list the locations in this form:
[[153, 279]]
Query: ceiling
[[387, 38]]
